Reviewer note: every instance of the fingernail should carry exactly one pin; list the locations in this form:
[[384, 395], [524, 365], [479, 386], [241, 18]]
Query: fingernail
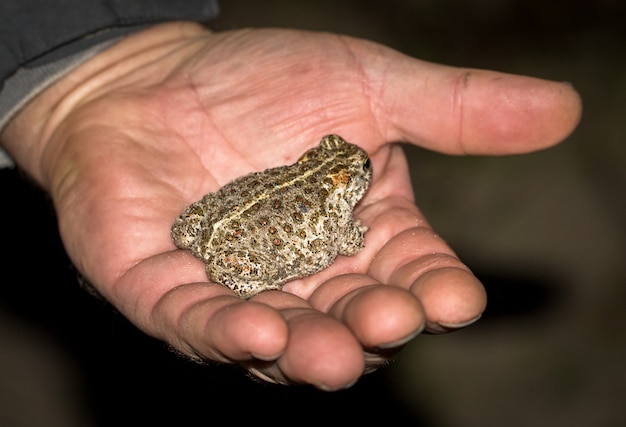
[[402, 341], [460, 325], [265, 357], [324, 387]]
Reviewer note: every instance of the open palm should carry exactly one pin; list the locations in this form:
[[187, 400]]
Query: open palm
[[175, 112]]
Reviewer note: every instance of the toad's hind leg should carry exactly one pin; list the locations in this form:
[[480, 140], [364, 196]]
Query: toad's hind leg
[[244, 272], [195, 219]]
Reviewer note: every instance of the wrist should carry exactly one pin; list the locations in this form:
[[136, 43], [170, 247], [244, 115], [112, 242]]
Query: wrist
[[34, 136]]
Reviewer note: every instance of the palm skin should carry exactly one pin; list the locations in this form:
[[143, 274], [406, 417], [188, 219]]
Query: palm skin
[[124, 143]]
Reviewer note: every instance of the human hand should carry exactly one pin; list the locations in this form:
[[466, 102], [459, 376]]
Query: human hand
[[133, 136]]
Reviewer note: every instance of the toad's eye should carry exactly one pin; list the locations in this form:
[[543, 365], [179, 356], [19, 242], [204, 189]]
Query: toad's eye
[[367, 165]]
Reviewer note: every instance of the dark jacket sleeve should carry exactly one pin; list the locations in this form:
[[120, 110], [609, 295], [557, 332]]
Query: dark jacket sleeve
[[42, 40], [33, 32]]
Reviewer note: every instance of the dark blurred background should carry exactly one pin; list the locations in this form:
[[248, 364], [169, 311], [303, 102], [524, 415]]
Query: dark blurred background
[[545, 233]]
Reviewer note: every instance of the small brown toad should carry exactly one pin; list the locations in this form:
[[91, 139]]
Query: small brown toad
[[267, 228]]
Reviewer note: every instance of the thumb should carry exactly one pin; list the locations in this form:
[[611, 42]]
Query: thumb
[[470, 111]]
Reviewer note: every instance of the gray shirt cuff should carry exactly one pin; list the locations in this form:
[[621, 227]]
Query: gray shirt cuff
[[27, 83]]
